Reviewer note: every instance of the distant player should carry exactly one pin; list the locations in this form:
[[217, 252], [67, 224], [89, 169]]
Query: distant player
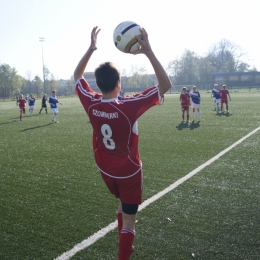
[[44, 105], [216, 97], [22, 103], [195, 97], [31, 102], [185, 104], [224, 94], [121, 95], [53, 100]]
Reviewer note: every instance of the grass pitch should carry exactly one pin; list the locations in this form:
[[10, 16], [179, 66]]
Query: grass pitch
[[52, 196]]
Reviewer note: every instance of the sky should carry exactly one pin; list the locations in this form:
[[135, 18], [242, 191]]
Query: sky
[[172, 27]]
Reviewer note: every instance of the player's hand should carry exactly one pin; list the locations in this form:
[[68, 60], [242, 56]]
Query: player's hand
[[145, 46], [94, 35]]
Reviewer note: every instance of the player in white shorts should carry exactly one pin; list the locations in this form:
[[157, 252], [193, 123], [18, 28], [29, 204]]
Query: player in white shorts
[[31, 102], [53, 100], [195, 97]]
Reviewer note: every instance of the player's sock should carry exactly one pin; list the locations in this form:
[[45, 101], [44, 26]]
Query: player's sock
[[188, 117], [183, 117], [227, 107], [119, 221], [21, 117], [193, 115], [125, 243], [199, 115]]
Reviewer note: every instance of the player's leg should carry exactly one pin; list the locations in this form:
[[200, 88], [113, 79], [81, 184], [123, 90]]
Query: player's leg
[[183, 111], [119, 215], [221, 107], [188, 114], [127, 233], [21, 114], [193, 111], [227, 106], [199, 114]]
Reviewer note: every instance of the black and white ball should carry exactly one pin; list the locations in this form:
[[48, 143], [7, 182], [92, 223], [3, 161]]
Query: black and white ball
[[124, 36]]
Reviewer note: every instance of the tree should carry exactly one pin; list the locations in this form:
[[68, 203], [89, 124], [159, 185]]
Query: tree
[[226, 57], [10, 82]]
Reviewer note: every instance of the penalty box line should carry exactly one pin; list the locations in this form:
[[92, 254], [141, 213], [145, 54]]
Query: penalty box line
[[101, 233]]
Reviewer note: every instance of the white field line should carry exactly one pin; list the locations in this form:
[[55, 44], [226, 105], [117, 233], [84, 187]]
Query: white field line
[[101, 233]]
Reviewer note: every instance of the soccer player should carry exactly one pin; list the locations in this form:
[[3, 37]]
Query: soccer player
[[31, 102], [44, 100], [216, 97], [115, 132], [224, 94], [22, 103], [195, 97], [53, 100], [121, 95], [185, 104]]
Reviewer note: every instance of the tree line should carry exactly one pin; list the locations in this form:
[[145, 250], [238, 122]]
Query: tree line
[[189, 69]]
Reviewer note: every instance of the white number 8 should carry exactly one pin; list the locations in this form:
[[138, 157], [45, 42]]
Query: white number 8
[[107, 133]]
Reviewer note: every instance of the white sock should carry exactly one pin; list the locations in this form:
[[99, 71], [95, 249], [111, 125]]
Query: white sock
[[199, 114]]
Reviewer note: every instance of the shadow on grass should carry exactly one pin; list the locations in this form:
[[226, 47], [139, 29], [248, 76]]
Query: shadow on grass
[[226, 114], [191, 126], [10, 122], [40, 126]]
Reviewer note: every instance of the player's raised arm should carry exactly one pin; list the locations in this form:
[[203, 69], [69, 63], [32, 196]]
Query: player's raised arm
[[164, 82], [78, 73]]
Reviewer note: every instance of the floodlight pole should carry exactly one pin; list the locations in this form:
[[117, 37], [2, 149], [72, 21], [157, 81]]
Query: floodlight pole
[[42, 39]]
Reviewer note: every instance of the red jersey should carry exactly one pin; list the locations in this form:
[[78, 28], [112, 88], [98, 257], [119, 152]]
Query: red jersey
[[224, 94], [115, 131], [185, 99], [22, 102]]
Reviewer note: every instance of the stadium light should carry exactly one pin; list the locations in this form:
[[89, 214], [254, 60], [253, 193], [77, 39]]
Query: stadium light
[[42, 39]]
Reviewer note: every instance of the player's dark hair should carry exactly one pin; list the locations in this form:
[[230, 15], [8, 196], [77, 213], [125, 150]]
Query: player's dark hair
[[107, 75]]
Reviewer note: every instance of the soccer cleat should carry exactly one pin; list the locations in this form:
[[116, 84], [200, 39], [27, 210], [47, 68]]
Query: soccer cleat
[[56, 121]]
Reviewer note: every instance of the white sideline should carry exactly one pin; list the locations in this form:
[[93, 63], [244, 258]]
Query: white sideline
[[101, 233]]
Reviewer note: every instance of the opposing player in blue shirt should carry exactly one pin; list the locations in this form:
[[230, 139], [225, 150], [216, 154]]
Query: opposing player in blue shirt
[[31, 102], [195, 97], [216, 97], [53, 100]]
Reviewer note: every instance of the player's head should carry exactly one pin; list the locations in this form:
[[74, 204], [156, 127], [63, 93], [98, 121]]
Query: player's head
[[194, 88], [184, 89], [107, 77], [216, 86], [31, 95], [21, 96], [224, 86], [54, 92]]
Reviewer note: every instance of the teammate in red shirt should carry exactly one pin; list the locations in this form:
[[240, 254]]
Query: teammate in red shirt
[[115, 132], [185, 103], [22, 103], [224, 94]]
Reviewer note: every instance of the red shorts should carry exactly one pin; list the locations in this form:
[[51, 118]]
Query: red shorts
[[185, 108], [22, 110], [224, 101], [129, 190]]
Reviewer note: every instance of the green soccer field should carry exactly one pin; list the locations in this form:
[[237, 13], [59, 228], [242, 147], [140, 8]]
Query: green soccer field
[[53, 197]]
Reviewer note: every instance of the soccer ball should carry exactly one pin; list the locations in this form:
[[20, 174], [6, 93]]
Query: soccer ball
[[124, 36]]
